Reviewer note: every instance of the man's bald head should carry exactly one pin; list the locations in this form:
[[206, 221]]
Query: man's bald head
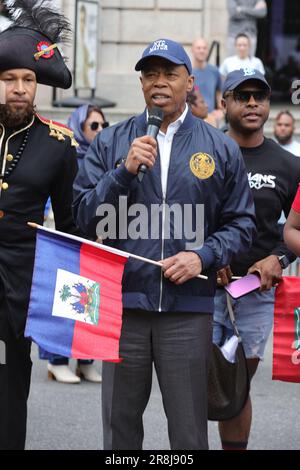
[[200, 50], [199, 41]]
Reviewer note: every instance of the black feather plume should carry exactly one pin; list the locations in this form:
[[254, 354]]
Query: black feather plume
[[38, 15]]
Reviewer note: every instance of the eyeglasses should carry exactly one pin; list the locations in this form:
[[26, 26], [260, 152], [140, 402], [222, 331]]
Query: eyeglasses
[[95, 125], [244, 96]]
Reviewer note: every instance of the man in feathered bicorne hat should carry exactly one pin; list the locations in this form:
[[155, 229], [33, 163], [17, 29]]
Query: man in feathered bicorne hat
[[37, 160]]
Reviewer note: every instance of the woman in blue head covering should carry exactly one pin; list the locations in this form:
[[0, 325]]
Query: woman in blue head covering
[[86, 122]]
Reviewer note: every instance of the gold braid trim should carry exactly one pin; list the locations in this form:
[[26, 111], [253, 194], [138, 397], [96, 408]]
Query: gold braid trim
[[59, 131]]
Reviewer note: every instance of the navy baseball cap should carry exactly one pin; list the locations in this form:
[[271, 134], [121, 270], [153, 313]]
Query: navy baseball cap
[[237, 77], [167, 49]]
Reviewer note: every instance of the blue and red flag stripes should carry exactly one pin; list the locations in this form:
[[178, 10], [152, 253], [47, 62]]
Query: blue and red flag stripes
[[75, 307]]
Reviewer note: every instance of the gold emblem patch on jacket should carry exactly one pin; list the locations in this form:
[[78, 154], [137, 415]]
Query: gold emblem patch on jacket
[[202, 165]]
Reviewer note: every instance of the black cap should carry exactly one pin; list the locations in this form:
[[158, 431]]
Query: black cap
[[32, 41], [20, 48], [237, 77]]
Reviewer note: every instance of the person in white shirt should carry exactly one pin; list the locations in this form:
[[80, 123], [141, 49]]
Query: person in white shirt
[[242, 59], [284, 129]]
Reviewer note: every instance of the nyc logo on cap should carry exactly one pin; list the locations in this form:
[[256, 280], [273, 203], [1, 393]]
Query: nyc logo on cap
[[248, 72], [202, 165], [159, 46]]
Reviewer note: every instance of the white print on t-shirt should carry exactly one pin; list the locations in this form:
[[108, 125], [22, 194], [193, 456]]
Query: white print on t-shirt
[[259, 181]]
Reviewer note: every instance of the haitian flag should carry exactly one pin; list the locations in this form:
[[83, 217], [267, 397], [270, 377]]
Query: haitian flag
[[75, 307], [286, 346]]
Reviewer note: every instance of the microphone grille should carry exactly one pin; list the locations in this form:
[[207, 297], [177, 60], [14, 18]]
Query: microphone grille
[[156, 116]]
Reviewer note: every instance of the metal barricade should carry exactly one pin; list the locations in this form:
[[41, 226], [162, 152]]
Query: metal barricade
[[293, 269]]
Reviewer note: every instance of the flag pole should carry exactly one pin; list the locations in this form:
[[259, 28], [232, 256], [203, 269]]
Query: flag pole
[[102, 247]]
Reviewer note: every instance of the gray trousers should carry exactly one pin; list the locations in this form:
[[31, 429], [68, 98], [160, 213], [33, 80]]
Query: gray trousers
[[179, 345]]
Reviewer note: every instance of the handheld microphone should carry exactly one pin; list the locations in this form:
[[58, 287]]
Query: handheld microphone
[[155, 120]]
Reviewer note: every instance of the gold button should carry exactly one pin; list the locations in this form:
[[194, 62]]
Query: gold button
[[4, 186], [1, 214], [9, 157]]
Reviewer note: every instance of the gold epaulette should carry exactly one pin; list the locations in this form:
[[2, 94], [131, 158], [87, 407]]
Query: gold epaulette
[[58, 130]]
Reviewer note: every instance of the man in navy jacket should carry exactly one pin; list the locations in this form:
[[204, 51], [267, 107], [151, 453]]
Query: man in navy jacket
[[192, 211]]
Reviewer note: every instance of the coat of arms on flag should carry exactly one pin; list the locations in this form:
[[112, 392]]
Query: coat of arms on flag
[[75, 307], [76, 297], [286, 345]]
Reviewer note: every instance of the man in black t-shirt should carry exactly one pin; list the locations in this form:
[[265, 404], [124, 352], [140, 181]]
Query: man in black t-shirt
[[273, 176]]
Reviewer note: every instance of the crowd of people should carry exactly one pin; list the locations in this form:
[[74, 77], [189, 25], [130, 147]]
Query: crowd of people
[[245, 181]]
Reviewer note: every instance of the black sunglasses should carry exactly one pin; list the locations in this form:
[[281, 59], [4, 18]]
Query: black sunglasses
[[244, 96], [95, 125]]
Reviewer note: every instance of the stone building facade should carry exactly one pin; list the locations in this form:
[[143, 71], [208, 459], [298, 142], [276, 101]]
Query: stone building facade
[[125, 29]]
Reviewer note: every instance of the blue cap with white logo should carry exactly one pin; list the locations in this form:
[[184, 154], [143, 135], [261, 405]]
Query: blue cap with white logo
[[237, 77], [167, 49]]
